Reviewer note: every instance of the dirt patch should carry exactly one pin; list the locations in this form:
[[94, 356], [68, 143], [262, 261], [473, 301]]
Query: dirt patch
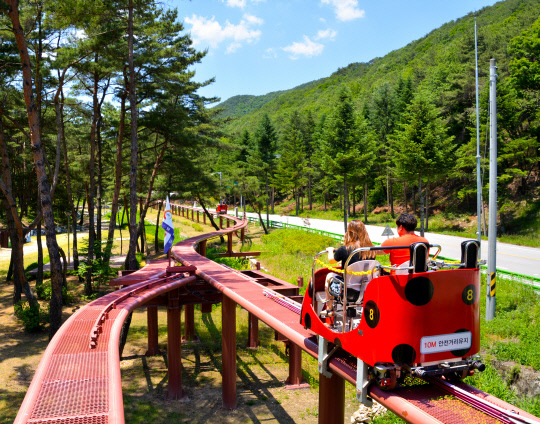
[[523, 380]]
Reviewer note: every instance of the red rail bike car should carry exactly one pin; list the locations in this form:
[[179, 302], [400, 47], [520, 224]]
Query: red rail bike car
[[221, 208], [421, 320]]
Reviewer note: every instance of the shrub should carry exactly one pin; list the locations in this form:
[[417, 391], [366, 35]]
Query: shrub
[[31, 316]]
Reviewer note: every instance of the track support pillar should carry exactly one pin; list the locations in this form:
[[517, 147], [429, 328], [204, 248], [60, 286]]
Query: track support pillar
[[189, 323], [152, 322], [331, 399], [253, 331], [228, 344], [174, 345], [202, 248], [295, 381]]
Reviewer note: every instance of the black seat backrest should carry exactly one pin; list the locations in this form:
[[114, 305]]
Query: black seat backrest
[[419, 256], [469, 253]]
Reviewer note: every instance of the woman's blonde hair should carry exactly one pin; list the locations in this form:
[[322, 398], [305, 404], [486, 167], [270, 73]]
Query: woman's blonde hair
[[357, 236]]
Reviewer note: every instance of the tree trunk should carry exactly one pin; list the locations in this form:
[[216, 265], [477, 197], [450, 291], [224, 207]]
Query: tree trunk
[[390, 194], [365, 201], [92, 185], [353, 213], [427, 206], [413, 200], [120, 230], [99, 182], [70, 195], [345, 202], [267, 201], [261, 221], [64, 267], [405, 196], [210, 217], [81, 221], [39, 275], [39, 165], [15, 228], [421, 194], [131, 260], [309, 191]]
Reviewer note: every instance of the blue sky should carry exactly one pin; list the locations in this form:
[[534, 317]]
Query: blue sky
[[259, 46]]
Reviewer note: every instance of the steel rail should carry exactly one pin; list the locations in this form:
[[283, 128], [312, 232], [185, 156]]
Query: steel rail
[[503, 414]]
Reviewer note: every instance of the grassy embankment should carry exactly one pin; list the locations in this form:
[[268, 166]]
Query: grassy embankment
[[525, 225]]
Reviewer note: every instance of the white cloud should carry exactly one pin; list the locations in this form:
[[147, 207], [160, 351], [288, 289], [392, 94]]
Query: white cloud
[[253, 20], [239, 3], [210, 32], [270, 53], [346, 10], [326, 34], [306, 48], [231, 48]]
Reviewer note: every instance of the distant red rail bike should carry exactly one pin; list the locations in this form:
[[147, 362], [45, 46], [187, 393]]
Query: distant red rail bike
[[221, 208], [421, 320]]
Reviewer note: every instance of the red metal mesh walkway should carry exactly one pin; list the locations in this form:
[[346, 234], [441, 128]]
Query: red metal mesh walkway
[[76, 384]]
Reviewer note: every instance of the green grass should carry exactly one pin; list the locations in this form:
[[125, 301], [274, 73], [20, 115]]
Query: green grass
[[514, 332]]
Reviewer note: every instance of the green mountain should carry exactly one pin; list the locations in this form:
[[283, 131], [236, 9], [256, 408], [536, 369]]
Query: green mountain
[[435, 62]]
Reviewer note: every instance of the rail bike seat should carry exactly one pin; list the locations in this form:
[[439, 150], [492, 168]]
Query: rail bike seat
[[356, 284]]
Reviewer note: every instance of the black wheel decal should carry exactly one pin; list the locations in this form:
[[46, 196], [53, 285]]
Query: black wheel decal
[[419, 291], [372, 315]]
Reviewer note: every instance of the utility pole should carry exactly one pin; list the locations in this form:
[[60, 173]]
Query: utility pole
[[492, 231], [478, 157]]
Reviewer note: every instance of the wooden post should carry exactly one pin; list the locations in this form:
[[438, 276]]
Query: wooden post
[[228, 348]]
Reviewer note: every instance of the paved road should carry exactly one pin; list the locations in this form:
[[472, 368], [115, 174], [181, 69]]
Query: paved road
[[510, 257]]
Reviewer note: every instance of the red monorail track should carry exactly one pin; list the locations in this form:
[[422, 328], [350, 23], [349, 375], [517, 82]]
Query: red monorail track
[[78, 379]]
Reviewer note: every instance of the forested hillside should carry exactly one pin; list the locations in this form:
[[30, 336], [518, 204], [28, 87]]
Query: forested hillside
[[404, 124]]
